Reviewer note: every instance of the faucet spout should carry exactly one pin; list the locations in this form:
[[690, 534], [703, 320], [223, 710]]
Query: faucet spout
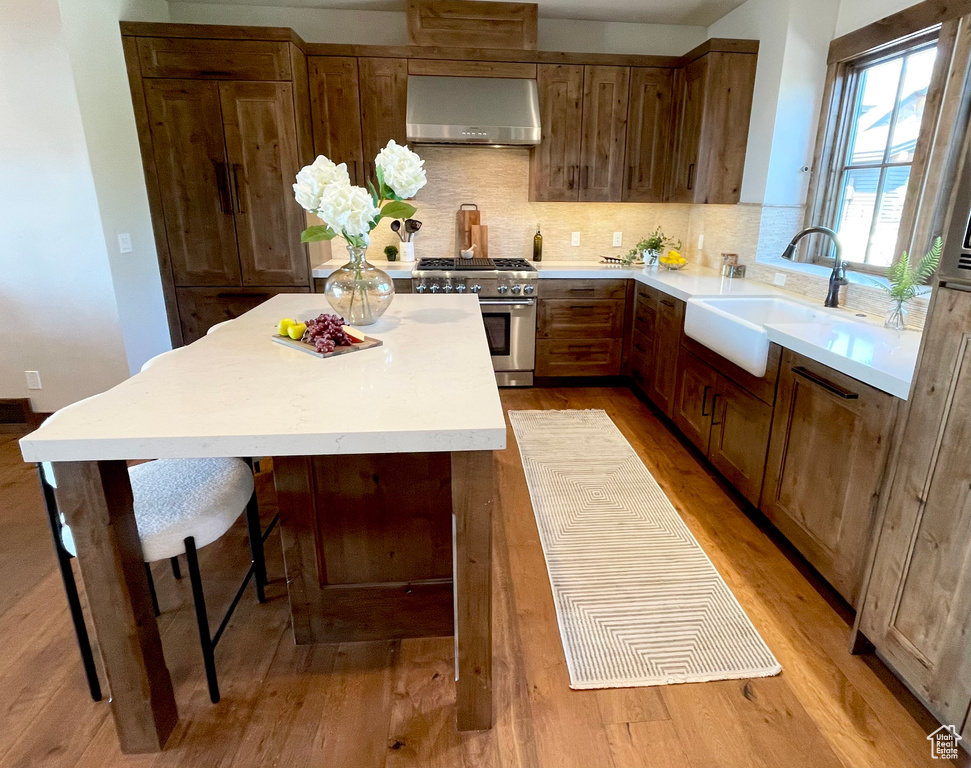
[[838, 277]]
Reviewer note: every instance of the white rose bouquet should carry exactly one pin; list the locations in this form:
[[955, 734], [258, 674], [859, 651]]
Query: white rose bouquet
[[325, 190]]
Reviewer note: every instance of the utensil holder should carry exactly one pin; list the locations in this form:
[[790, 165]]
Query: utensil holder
[[407, 252]]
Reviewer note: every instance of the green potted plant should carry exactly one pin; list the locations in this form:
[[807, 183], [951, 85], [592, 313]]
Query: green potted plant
[[650, 248], [391, 252], [907, 282]]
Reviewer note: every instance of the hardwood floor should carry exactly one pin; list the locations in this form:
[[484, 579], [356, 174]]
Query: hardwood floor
[[361, 705]]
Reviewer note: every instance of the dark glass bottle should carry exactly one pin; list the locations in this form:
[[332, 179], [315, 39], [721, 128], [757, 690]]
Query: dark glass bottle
[[537, 245]]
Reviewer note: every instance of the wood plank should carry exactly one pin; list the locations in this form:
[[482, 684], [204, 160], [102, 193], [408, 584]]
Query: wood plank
[[213, 59], [207, 31], [463, 23], [647, 745], [473, 496], [96, 500], [506, 69]]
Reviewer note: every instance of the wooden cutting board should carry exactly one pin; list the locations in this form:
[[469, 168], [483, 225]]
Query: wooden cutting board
[[368, 343], [467, 217]]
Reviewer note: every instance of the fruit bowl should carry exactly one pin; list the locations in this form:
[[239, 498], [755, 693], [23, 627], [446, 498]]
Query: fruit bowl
[[674, 267]]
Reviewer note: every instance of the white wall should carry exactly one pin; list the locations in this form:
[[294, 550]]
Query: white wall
[[321, 25], [858, 13], [57, 306], [94, 45]]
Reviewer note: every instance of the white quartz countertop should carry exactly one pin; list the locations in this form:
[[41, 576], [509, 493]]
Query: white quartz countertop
[[430, 387], [857, 346]]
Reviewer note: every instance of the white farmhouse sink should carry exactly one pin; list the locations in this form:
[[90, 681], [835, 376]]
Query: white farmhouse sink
[[734, 326]]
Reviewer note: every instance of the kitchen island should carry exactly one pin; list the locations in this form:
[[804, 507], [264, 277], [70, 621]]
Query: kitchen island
[[236, 393]]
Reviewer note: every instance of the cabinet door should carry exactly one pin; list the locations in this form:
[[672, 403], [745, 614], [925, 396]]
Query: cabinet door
[[335, 108], [642, 360], [384, 101], [604, 136], [649, 126], [201, 308], [580, 318], [917, 610], [685, 184], [555, 164], [578, 357], [261, 145], [193, 181], [740, 428], [694, 399], [827, 453], [667, 344]]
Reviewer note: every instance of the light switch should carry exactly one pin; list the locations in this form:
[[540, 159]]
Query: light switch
[[779, 279], [124, 243], [618, 239], [33, 380], [701, 242], [575, 240]]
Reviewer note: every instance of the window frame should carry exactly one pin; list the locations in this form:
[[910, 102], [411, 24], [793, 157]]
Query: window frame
[[840, 97]]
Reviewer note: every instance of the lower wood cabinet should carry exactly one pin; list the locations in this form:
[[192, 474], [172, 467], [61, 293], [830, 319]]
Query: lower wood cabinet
[[724, 421], [577, 318], [667, 344], [826, 462], [917, 607], [578, 357], [202, 308]]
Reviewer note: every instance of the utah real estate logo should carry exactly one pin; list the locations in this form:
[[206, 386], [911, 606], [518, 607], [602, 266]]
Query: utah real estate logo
[[944, 743]]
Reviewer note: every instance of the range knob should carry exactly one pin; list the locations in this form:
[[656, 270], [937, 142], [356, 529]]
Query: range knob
[[528, 289], [517, 288], [460, 289], [420, 288], [435, 288], [475, 288], [448, 287], [503, 288]]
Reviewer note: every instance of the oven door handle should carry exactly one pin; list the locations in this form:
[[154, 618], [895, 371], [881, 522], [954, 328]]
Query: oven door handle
[[511, 304]]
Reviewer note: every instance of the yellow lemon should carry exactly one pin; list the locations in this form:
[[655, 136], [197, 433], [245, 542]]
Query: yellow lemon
[[284, 325], [675, 255], [296, 330]]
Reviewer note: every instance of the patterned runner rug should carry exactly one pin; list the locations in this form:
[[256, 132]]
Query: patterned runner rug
[[637, 600]]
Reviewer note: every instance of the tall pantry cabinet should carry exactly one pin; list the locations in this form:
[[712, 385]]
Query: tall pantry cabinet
[[222, 136]]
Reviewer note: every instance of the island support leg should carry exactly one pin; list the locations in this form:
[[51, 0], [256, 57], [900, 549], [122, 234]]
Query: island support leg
[[96, 500], [473, 495]]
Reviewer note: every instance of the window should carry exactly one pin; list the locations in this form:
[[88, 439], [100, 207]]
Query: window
[[886, 104]]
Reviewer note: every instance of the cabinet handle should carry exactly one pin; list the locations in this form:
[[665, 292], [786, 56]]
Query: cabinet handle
[[242, 295], [586, 177], [691, 176], [704, 400], [236, 195], [581, 290], [667, 303], [714, 400], [354, 179], [222, 185], [573, 176], [829, 386]]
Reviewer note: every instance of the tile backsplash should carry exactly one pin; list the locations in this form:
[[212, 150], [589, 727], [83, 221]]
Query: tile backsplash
[[497, 181]]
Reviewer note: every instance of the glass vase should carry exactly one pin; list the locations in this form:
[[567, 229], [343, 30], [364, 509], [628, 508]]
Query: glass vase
[[359, 292], [897, 317]]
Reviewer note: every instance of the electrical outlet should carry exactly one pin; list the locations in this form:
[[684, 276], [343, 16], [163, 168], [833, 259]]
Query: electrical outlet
[[618, 239], [33, 380], [701, 242], [575, 240], [124, 243], [779, 279]]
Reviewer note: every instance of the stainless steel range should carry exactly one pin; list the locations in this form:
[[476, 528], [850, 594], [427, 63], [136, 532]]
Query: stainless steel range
[[507, 291]]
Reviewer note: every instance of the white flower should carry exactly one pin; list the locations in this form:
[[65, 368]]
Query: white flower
[[347, 210], [313, 179], [402, 169]]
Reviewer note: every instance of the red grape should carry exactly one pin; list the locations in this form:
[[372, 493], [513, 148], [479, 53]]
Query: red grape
[[326, 333]]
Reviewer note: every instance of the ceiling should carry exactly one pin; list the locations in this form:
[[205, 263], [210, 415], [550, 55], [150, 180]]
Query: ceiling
[[686, 12]]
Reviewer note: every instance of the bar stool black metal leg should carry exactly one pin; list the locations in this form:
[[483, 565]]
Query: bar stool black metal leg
[[151, 589], [202, 619], [255, 534], [70, 589], [176, 570]]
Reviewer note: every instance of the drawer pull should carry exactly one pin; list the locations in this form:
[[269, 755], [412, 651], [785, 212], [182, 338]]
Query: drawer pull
[[242, 295], [827, 385], [713, 401], [581, 290], [667, 303], [704, 400], [639, 348]]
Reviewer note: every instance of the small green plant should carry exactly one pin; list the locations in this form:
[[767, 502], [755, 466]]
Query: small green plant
[[657, 241], [907, 282], [390, 252]]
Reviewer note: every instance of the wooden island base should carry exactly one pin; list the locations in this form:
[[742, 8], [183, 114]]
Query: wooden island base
[[369, 543]]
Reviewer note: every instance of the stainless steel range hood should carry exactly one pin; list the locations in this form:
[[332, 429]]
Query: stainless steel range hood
[[472, 110]]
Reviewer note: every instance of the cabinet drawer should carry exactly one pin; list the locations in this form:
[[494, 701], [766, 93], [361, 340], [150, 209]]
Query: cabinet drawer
[[580, 318], [583, 289], [213, 59], [647, 294], [645, 317], [578, 357]]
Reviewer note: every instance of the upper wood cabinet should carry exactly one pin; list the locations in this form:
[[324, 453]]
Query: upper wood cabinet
[[713, 105], [555, 164], [826, 462], [335, 108], [384, 101], [917, 608], [188, 148], [650, 122], [603, 138], [174, 57]]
